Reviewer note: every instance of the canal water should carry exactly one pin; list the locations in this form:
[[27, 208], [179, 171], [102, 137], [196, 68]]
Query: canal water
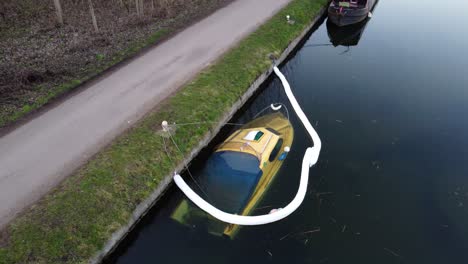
[[390, 104]]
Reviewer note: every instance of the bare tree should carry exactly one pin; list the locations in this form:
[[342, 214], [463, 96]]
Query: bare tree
[[93, 16], [2, 10], [166, 5], [142, 9], [125, 4], [137, 6], [58, 10]]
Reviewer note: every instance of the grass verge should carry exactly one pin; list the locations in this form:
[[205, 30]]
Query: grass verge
[[74, 221]]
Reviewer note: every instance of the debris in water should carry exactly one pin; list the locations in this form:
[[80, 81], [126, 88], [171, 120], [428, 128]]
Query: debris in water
[[339, 121], [263, 207], [333, 220], [301, 233], [344, 228], [274, 210], [311, 231], [269, 253], [323, 260], [284, 236], [323, 193], [391, 252]]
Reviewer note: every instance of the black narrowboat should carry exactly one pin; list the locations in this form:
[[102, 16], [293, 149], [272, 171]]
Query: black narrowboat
[[348, 12]]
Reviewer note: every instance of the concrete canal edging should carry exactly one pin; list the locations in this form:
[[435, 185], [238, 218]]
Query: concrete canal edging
[[142, 209]]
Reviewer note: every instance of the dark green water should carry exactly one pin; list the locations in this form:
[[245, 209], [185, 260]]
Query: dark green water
[[392, 182]]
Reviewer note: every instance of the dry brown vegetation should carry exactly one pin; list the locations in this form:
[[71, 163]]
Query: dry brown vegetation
[[40, 57]]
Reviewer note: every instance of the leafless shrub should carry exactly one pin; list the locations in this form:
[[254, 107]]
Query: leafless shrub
[[35, 51]]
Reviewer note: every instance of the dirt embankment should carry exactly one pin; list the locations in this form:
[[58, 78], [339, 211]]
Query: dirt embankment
[[41, 58]]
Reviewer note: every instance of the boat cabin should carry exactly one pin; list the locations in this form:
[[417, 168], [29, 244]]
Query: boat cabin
[[350, 3], [233, 172]]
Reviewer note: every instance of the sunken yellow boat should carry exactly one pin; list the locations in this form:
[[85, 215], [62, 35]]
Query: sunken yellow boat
[[239, 172]]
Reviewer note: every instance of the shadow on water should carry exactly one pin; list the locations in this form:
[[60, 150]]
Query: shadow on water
[[390, 186], [346, 36]]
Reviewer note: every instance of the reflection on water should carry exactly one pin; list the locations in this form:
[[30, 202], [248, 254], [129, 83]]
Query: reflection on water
[[346, 36], [392, 182]]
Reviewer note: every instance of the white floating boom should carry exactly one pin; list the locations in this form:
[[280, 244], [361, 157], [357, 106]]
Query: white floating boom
[[310, 158]]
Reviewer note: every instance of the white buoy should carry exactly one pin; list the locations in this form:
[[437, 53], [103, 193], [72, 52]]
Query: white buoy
[[274, 210], [275, 108], [287, 149], [165, 126], [289, 20], [369, 15]]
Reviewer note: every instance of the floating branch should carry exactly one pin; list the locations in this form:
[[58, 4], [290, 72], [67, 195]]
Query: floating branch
[[391, 252]]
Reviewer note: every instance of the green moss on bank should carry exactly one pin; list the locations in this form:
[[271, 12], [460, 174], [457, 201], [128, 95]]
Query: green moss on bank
[[76, 220]]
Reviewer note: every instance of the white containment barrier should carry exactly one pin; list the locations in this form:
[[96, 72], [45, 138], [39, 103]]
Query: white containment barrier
[[310, 158]]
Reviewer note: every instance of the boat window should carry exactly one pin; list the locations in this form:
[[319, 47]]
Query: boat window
[[254, 135], [273, 131], [258, 136], [276, 150], [229, 179]]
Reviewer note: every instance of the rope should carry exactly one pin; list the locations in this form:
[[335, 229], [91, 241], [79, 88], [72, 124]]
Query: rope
[[198, 123], [185, 165], [317, 45], [310, 158], [207, 122], [268, 107]]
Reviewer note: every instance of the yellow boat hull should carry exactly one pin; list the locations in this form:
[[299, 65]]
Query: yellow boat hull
[[276, 133]]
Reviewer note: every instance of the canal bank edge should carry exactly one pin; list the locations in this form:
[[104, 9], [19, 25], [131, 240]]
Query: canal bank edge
[[89, 197], [145, 206]]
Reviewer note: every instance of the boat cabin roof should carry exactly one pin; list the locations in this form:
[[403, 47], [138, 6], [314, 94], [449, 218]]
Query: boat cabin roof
[[259, 142], [350, 3]]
